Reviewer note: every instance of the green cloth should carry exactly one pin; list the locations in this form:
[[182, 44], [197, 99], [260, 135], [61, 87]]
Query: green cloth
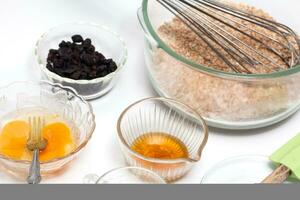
[[289, 156]]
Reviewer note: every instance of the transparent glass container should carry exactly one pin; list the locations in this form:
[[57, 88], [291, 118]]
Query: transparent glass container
[[125, 175], [23, 99], [225, 100], [167, 116], [246, 169], [106, 41]]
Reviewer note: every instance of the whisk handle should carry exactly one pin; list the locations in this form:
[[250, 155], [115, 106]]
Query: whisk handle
[[34, 176]]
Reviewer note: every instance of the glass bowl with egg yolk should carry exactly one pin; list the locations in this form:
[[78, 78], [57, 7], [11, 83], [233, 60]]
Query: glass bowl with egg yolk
[[70, 123]]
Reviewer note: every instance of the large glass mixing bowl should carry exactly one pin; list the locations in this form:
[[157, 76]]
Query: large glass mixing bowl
[[225, 100]]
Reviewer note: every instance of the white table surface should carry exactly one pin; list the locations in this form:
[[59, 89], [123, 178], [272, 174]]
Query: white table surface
[[22, 23]]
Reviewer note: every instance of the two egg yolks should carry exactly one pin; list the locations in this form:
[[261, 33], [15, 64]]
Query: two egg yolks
[[14, 136]]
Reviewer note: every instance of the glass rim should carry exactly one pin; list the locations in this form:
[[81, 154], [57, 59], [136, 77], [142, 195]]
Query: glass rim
[[207, 69], [78, 148], [219, 164], [165, 161], [134, 168]]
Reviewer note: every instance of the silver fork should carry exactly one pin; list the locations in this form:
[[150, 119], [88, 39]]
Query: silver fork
[[35, 143]]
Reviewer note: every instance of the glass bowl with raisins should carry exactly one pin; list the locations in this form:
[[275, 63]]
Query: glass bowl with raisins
[[85, 56]]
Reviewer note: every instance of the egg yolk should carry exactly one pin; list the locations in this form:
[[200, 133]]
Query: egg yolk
[[60, 141], [13, 139], [14, 136]]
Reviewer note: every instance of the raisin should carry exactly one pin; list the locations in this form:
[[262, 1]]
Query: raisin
[[88, 59], [87, 43], [112, 66], [53, 51], [75, 75], [63, 44], [91, 49], [69, 70], [102, 67], [77, 38], [58, 63], [104, 73], [93, 74], [49, 67]]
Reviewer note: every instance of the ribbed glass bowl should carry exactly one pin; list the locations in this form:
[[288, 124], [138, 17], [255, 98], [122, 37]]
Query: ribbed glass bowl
[[225, 100], [125, 175], [44, 98], [106, 41], [167, 116]]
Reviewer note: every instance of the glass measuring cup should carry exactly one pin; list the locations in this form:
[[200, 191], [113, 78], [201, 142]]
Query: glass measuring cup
[[162, 115]]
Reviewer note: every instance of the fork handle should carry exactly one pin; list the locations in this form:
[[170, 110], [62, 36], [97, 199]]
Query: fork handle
[[279, 175], [35, 170]]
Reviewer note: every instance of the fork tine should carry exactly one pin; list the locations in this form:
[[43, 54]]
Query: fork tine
[[30, 129], [36, 123], [39, 130], [34, 129], [43, 122], [43, 125]]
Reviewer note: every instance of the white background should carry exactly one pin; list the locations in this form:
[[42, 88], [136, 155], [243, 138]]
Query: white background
[[22, 23]]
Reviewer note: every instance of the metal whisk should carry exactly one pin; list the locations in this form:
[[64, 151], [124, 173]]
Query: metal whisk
[[243, 41]]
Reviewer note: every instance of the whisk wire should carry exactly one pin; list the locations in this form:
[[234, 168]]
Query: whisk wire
[[271, 25], [207, 19], [248, 35], [224, 44], [245, 54], [181, 15]]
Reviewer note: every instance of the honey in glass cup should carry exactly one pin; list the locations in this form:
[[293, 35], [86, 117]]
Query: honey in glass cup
[[160, 145], [155, 134]]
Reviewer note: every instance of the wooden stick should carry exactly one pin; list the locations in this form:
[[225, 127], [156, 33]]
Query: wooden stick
[[279, 175]]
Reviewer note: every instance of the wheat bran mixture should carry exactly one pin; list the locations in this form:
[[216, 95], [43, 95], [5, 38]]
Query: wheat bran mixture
[[214, 97]]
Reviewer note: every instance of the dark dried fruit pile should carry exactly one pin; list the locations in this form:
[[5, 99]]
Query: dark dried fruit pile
[[78, 60]]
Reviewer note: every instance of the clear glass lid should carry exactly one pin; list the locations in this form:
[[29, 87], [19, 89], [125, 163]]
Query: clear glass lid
[[250, 169]]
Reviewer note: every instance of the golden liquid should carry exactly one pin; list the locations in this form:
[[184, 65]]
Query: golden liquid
[[160, 146], [14, 136]]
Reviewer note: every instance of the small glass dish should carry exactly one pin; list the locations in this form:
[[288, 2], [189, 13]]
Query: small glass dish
[[23, 99], [247, 169], [125, 175], [107, 42], [161, 115]]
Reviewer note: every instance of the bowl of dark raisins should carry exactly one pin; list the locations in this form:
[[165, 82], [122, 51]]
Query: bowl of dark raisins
[[85, 56]]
